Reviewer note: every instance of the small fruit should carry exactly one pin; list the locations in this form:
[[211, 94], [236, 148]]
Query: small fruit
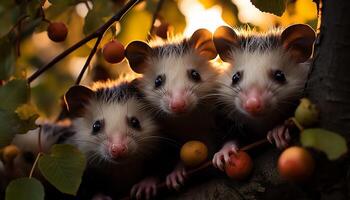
[[193, 153], [113, 52], [295, 164], [240, 166], [57, 31], [9, 153], [306, 113]]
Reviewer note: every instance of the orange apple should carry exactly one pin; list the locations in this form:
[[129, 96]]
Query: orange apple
[[295, 164], [240, 166], [193, 153]]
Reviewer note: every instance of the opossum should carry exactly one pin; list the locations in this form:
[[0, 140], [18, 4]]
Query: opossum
[[177, 77], [111, 126], [264, 79]]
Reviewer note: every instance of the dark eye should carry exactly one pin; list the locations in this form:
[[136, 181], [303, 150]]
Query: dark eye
[[236, 77], [194, 75], [96, 127], [159, 81], [134, 123], [279, 76]]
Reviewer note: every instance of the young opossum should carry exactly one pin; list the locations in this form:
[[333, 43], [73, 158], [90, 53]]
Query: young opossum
[[112, 127], [177, 76], [264, 80]]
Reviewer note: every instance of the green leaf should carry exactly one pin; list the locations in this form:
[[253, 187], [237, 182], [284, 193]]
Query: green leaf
[[24, 189], [101, 12], [276, 7], [13, 94], [63, 168], [8, 126], [11, 124], [7, 58], [333, 144]]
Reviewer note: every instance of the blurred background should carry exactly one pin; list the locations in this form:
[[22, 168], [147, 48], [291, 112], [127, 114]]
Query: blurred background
[[83, 17]]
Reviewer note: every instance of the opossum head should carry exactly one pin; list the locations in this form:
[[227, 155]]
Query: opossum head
[[177, 73]]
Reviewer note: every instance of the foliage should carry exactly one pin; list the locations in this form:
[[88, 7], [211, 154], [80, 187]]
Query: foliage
[[63, 168], [25, 188]]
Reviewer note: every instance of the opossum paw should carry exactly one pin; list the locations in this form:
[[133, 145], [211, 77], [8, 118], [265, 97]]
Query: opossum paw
[[222, 157], [176, 178], [145, 189], [279, 136], [101, 197]]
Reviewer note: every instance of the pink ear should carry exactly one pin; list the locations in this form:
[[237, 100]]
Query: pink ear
[[137, 53], [225, 38], [76, 98], [298, 40], [202, 41]]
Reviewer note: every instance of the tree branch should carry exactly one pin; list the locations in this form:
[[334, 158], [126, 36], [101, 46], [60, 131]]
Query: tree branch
[[98, 33], [155, 16]]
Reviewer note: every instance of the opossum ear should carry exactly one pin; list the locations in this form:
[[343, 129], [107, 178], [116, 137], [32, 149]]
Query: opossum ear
[[298, 40], [77, 98], [137, 53], [225, 38], [202, 41]]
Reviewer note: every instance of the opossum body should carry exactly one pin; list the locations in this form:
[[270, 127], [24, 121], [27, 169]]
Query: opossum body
[[264, 79], [112, 127], [177, 77]]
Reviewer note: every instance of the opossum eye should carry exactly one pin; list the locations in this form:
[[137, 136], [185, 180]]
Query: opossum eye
[[194, 75], [159, 81], [96, 127], [134, 123], [279, 76], [236, 77]]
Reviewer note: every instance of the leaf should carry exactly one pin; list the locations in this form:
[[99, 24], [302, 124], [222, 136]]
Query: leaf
[[132, 29], [63, 168], [63, 2], [26, 111], [24, 189], [208, 3], [7, 58], [333, 144], [276, 7], [171, 13], [229, 12], [101, 12], [8, 126], [14, 93]]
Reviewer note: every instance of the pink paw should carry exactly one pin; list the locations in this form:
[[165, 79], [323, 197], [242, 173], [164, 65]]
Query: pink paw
[[176, 178], [222, 157], [145, 189], [279, 136], [101, 197]]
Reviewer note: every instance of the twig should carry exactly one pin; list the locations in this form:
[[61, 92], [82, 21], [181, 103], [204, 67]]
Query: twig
[[155, 16], [88, 60], [39, 154], [209, 163], [99, 32]]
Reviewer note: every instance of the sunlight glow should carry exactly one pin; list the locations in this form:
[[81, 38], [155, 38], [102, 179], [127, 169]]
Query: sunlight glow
[[199, 17]]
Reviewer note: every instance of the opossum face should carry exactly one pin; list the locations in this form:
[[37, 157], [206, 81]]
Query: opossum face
[[112, 128], [176, 76], [266, 73]]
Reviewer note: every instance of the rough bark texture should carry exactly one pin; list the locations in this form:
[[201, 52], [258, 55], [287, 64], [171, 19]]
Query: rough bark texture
[[329, 83]]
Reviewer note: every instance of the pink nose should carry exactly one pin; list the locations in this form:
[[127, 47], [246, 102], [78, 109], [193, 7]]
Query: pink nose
[[178, 106], [253, 105], [117, 150]]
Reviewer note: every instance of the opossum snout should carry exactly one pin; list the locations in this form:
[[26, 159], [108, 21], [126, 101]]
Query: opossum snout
[[117, 146], [253, 102], [178, 102]]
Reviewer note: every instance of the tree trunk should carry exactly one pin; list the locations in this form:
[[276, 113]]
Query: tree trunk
[[329, 83]]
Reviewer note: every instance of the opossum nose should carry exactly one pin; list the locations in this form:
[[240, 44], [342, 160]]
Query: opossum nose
[[118, 150], [178, 106], [253, 105]]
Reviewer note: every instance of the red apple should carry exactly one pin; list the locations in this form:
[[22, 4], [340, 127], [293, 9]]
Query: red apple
[[113, 52]]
